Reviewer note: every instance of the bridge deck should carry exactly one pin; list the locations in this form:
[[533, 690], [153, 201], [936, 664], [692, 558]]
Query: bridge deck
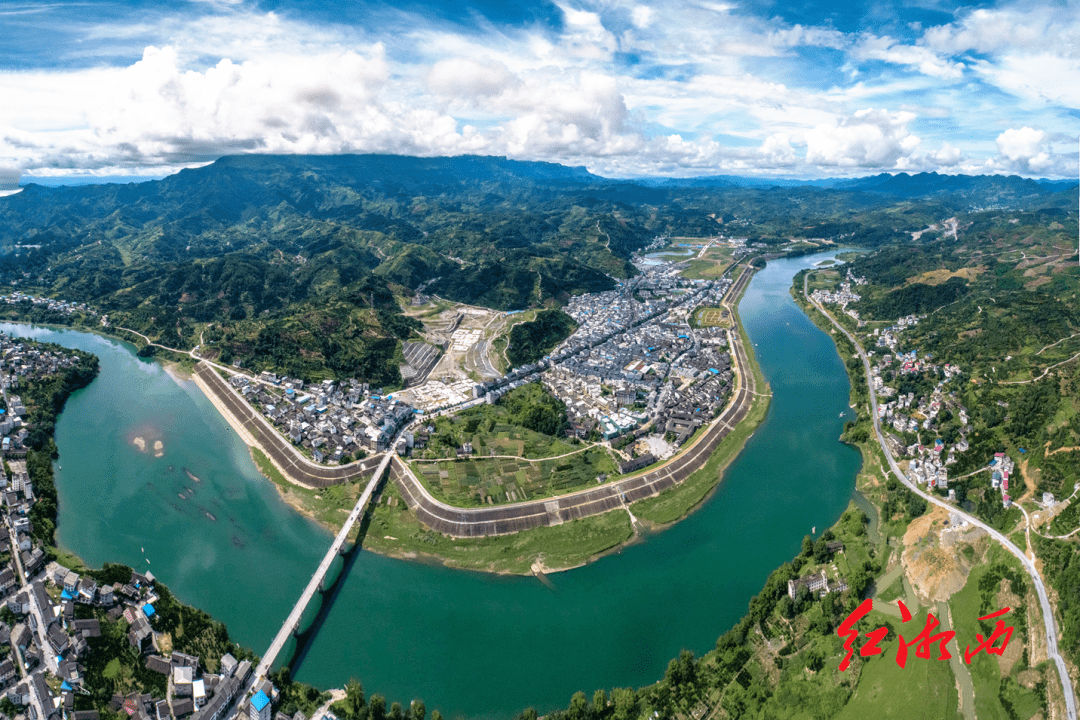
[[293, 620]]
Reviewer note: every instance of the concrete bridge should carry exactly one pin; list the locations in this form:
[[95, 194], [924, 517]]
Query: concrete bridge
[[292, 622]]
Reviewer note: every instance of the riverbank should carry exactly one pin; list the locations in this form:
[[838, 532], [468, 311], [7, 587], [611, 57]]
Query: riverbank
[[935, 559]]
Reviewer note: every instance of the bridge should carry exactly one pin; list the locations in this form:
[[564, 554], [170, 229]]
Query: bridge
[[292, 622]]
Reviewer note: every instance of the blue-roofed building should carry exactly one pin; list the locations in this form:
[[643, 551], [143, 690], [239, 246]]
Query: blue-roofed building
[[148, 610], [260, 707]]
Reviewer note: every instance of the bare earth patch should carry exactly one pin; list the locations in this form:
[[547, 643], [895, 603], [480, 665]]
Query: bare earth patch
[[1007, 598], [932, 559], [941, 276]]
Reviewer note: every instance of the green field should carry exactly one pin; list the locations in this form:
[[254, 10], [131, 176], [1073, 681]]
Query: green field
[[511, 426], [921, 689], [712, 317], [394, 530], [468, 483], [967, 606]]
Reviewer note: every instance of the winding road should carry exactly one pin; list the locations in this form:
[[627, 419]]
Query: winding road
[[1029, 566]]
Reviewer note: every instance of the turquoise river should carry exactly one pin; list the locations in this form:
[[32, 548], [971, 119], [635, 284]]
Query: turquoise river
[[472, 645]]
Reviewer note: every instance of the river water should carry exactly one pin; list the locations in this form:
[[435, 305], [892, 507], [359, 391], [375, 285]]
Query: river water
[[470, 644]]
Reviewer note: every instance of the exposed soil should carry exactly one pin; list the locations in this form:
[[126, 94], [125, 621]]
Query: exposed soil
[[932, 558]]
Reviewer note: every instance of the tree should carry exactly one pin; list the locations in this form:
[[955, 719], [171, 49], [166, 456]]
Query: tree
[[599, 703], [526, 714], [785, 607], [417, 710], [807, 546], [625, 702], [396, 712], [579, 707], [821, 551], [354, 697], [377, 707]]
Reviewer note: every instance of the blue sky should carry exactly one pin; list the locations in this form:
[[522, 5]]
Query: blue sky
[[625, 88]]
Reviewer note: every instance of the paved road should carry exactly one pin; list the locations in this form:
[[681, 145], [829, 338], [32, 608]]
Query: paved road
[[1040, 589]]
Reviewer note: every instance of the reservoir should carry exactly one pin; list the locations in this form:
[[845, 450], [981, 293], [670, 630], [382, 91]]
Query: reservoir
[[471, 645]]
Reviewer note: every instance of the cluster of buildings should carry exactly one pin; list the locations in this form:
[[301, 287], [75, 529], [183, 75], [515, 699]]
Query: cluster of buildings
[[1001, 467], [928, 462], [843, 296], [62, 306], [22, 362], [49, 638], [659, 374], [889, 338], [331, 420], [632, 363]]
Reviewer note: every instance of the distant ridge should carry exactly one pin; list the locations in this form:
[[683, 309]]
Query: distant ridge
[[899, 185]]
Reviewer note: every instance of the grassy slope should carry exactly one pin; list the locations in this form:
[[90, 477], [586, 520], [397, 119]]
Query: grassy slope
[[921, 689], [329, 507], [395, 531]]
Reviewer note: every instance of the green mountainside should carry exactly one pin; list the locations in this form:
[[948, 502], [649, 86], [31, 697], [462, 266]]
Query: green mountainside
[[530, 341], [300, 262]]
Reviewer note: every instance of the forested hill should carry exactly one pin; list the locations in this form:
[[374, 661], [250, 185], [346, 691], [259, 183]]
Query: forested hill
[[300, 262]]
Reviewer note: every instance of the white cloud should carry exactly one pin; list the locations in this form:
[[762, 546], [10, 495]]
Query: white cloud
[[869, 138], [948, 155], [699, 98], [1025, 149], [1042, 76], [641, 16], [470, 79], [777, 150], [926, 61], [1027, 50]]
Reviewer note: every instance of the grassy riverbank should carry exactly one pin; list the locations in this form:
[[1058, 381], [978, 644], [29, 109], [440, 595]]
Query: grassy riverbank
[[395, 531], [327, 506]]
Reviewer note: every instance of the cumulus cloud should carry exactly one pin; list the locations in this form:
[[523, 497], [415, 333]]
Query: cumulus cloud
[[948, 155], [777, 150], [869, 138], [1025, 149]]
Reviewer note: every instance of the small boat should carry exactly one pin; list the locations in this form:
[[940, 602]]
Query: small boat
[[813, 530], [841, 414]]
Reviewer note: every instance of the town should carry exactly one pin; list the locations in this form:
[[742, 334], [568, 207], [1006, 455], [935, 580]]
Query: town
[[633, 365]]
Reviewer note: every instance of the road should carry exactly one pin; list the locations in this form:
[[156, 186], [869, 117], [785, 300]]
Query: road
[[1029, 566]]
